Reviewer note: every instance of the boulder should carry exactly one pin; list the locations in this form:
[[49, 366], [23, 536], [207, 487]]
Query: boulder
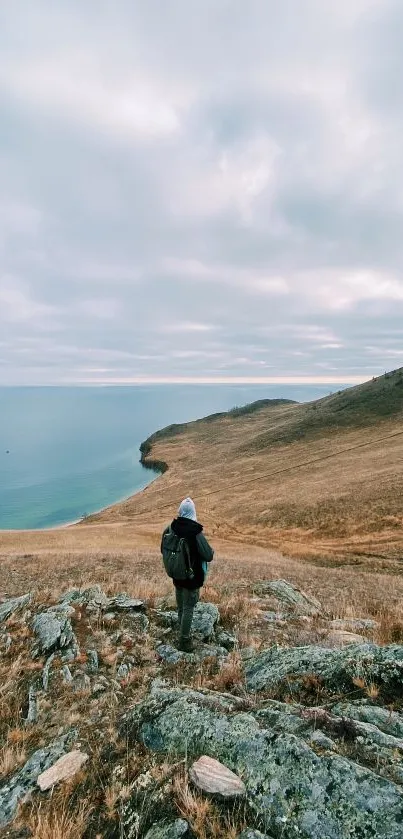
[[179, 829], [340, 638], [212, 777], [53, 632], [124, 603], [338, 669], [386, 720], [226, 639], [14, 604], [298, 600], [290, 789], [93, 598], [205, 618], [64, 768], [22, 783], [171, 655]]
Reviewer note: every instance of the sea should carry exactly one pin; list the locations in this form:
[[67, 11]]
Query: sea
[[67, 452]]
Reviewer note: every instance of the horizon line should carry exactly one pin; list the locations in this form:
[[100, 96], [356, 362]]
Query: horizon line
[[202, 380]]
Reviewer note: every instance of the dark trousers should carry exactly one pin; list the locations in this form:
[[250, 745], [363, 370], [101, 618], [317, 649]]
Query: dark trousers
[[186, 600]]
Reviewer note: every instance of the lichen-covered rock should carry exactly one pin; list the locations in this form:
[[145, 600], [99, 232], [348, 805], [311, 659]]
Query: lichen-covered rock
[[252, 834], [14, 604], [46, 671], [171, 655], [123, 603], [179, 829], [338, 669], [93, 598], [298, 600], [205, 618], [137, 622], [292, 790], [92, 661], [53, 632], [386, 720], [20, 785], [226, 639]]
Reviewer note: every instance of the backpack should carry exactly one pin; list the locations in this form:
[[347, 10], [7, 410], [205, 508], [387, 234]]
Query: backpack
[[176, 556]]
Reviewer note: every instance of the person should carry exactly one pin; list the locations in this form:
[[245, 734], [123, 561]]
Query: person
[[200, 553]]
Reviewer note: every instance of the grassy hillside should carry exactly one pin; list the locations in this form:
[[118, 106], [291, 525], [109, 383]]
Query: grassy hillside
[[324, 476]]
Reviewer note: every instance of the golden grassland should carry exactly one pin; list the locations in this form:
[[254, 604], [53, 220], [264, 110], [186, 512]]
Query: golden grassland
[[310, 494]]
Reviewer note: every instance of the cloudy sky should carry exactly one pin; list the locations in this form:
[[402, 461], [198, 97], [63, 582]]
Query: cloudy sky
[[202, 189]]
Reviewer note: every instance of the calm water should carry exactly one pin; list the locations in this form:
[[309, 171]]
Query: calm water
[[67, 452]]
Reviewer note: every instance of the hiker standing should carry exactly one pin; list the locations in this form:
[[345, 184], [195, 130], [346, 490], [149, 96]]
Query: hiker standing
[[186, 552]]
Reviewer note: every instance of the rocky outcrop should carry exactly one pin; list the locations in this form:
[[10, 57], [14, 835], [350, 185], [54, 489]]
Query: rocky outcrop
[[53, 631], [178, 829], [338, 669], [289, 787], [293, 597], [15, 604], [20, 785]]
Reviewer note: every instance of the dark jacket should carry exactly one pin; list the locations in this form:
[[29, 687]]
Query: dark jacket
[[199, 549]]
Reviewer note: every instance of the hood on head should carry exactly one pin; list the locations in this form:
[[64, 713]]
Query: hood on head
[[187, 509], [186, 527]]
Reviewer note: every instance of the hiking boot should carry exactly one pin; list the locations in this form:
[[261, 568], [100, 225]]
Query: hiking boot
[[185, 645]]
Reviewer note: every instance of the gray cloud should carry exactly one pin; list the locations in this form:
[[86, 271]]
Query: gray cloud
[[200, 190]]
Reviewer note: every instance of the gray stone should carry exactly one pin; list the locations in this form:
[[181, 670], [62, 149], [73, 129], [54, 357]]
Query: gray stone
[[205, 618], [168, 619], [53, 632], [341, 638], [337, 668], [14, 604], [212, 777], [81, 682], [226, 639], [66, 675], [291, 790], [46, 672], [123, 672], [170, 654], [137, 622], [249, 833], [274, 617], [19, 786], [300, 601], [32, 715], [318, 738], [124, 603], [388, 721], [92, 596], [178, 829], [92, 661]]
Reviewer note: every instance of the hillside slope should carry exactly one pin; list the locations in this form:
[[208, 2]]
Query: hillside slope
[[325, 476]]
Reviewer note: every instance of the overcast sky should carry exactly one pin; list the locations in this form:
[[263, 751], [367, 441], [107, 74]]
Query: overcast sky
[[200, 189]]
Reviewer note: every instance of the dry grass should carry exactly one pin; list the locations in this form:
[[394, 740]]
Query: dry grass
[[60, 821], [205, 818]]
